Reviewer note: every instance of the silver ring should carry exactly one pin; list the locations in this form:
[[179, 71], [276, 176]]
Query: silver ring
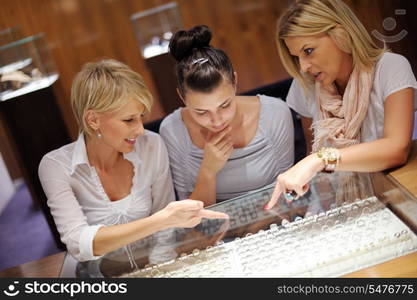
[[290, 195]]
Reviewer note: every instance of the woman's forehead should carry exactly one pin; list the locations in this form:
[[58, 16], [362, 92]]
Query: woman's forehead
[[295, 44], [130, 107], [206, 101]]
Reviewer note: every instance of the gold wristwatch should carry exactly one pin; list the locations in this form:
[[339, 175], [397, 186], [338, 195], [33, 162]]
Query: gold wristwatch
[[330, 157]]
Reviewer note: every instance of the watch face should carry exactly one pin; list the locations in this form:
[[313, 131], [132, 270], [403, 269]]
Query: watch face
[[333, 154], [329, 154]]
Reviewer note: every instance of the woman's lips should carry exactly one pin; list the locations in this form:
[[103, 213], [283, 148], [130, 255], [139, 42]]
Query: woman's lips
[[318, 76], [218, 128], [130, 141]]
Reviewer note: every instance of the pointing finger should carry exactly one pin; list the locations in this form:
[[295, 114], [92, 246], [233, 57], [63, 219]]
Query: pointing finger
[[274, 199]]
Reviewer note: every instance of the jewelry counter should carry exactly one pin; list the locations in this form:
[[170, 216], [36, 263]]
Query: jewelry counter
[[345, 223]]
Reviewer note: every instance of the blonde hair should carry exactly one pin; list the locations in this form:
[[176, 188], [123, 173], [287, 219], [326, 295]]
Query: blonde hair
[[334, 17], [105, 86]]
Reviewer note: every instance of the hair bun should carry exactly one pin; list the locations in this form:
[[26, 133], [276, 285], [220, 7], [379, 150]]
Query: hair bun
[[183, 42]]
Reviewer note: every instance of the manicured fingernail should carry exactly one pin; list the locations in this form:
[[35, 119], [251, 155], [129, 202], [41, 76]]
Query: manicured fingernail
[[266, 207]]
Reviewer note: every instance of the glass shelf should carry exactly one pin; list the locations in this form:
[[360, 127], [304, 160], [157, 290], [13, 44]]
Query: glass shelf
[[10, 35]]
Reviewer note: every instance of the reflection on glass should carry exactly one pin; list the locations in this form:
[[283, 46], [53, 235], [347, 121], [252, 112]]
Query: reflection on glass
[[154, 28], [336, 240]]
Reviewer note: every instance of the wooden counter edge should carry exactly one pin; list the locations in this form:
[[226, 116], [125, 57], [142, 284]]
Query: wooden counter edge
[[404, 266], [406, 175], [47, 267]]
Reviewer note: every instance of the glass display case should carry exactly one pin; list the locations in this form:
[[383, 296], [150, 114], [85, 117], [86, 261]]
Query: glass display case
[[25, 66], [344, 223], [154, 28], [29, 111]]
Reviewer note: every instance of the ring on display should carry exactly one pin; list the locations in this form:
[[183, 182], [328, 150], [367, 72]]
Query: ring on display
[[290, 195]]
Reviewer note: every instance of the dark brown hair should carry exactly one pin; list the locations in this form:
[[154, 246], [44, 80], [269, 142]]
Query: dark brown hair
[[200, 67]]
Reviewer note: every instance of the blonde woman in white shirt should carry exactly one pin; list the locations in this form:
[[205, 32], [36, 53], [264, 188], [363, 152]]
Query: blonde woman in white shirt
[[355, 98], [113, 185]]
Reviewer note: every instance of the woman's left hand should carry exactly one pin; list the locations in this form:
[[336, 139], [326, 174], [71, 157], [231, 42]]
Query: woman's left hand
[[296, 178]]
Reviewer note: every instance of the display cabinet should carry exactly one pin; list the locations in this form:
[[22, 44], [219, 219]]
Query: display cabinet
[[153, 29], [25, 66], [322, 234], [29, 110]]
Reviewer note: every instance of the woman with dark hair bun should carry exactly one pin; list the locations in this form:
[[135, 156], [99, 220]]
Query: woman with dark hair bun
[[221, 145]]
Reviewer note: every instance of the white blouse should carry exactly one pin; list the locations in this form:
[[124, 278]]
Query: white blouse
[[78, 202], [392, 73]]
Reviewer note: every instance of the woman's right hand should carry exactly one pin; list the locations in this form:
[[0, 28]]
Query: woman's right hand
[[187, 213], [217, 150], [297, 178]]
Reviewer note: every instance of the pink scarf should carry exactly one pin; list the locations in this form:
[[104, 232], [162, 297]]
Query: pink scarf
[[339, 125], [340, 120]]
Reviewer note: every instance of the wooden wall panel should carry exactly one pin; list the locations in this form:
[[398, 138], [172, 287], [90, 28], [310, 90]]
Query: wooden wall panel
[[78, 31]]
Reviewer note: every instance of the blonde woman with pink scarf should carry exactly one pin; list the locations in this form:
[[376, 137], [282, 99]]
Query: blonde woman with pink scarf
[[356, 100]]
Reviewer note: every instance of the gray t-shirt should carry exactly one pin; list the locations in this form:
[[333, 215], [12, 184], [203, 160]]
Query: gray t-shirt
[[270, 153]]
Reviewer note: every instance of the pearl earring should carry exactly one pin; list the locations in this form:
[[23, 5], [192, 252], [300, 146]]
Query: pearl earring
[[99, 135]]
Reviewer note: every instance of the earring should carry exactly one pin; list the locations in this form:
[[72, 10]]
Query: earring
[[99, 136]]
